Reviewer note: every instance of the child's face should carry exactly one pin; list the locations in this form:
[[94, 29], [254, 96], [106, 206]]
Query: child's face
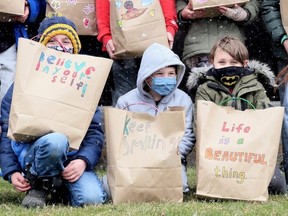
[[223, 59], [164, 72], [60, 40]]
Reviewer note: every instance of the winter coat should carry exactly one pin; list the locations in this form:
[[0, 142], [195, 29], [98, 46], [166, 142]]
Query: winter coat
[[204, 33], [270, 12], [155, 58], [89, 151], [10, 32]]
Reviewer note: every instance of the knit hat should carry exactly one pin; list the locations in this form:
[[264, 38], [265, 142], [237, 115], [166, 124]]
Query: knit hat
[[56, 25]]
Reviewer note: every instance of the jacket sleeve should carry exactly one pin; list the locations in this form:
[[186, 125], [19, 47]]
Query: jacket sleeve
[[261, 100], [103, 21], [188, 140], [91, 147], [253, 7], [36, 10], [8, 160], [270, 12], [169, 11]]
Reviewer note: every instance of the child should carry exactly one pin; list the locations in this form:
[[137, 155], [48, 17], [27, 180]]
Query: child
[[46, 164], [159, 75], [232, 76]]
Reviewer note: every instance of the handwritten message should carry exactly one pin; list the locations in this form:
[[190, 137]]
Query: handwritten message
[[226, 131], [68, 72]]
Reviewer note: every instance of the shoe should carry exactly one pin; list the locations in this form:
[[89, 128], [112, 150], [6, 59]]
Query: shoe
[[35, 198], [106, 187]]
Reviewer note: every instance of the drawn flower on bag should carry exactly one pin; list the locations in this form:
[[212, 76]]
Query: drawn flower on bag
[[152, 13], [89, 9], [118, 4], [71, 2], [119, 22], [55, 4], [86, 22], [146, 2]]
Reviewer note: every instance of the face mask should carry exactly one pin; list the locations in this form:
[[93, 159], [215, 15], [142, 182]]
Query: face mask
[[229, 76], [61, 49], [163, 85]]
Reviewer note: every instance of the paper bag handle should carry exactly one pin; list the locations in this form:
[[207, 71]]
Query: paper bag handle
[[142, 103], [237, 98]]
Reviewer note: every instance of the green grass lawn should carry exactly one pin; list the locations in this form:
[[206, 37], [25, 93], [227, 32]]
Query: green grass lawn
[[10, 204]]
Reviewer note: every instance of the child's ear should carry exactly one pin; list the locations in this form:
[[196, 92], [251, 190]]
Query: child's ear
[[245, 63]]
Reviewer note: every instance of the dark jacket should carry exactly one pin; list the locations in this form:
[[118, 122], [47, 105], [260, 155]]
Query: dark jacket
[[10, 32], [90, 148], [270, 12]]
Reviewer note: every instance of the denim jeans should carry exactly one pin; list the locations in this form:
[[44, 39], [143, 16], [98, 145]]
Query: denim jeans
[[46, 157], [125, 73]]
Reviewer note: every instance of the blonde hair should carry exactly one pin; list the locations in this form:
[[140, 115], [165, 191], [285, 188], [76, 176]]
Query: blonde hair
[[233, 46]]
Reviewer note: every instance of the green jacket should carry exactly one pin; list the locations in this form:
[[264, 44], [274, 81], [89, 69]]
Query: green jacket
[[204, 33], [270, 12], [250, 87]]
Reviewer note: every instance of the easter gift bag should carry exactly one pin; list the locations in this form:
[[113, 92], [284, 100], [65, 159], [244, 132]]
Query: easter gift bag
[[236, 151], [55, 92], [284, 15], [142, 154], [81, 12], [135, 25], [210, 6], [10, 8]]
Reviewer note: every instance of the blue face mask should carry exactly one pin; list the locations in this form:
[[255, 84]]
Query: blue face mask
[[163, 85]]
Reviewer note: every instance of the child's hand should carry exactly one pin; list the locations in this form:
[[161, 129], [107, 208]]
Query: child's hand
[[170, 40], [23, 18], [74, 170], [237, 13], [110, 48], [189, 13], [19, 182]]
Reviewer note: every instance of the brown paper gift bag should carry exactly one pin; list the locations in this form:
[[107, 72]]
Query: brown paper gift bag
[[143, 160], [284, 15], [210, 6], [55, 92], [135, 26], [10, 8], [81, 12], [236, 151]]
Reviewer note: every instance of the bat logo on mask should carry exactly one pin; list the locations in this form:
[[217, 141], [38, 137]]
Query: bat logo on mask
[[230, 80]]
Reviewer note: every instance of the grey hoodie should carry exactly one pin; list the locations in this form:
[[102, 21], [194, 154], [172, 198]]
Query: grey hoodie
[[156, 57]]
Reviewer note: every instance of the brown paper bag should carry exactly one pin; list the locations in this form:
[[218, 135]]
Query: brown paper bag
[[236, 151], [10, 8], [55, 92], [284, 15], [143, 160], [134, 27], [81, 12], [210, 6]]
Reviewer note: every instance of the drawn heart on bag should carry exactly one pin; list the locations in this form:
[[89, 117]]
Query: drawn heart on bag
[[118, 4], [86, 22], [146, 2]]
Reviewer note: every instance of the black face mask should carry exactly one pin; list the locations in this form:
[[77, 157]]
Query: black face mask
[[229, 76]]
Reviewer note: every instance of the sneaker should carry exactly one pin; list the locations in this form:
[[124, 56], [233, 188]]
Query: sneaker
[[35, 198], [106, 187]]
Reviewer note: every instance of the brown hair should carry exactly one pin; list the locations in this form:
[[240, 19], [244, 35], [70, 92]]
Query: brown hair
[[282, 76], [233, 46]]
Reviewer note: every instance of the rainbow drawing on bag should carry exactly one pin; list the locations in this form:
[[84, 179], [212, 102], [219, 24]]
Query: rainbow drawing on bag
[[65, 71]]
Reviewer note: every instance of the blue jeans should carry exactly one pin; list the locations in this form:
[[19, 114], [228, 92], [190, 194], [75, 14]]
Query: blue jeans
[[46, 157]]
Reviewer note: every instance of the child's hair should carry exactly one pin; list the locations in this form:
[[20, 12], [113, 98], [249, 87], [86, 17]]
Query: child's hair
[[233, 46], [282, 76]]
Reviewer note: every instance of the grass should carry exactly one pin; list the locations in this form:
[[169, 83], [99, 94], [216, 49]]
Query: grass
[[10, 205]]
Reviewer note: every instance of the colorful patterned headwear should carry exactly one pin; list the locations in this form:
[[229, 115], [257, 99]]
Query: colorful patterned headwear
[[56, 25]]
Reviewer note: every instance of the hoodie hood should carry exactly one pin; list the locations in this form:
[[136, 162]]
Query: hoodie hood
[[264, 73], [156, 57]]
